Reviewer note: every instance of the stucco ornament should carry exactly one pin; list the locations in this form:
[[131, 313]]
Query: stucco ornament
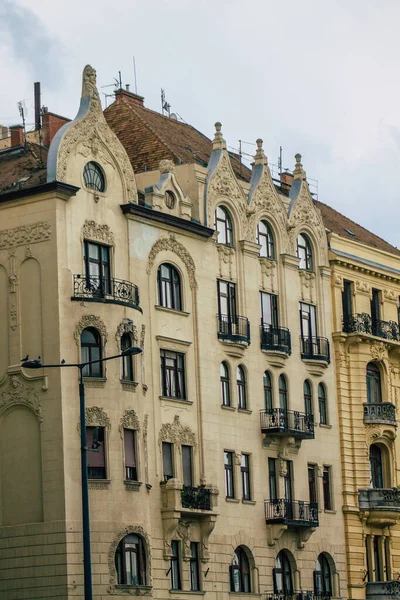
[[126, 326], [97, 417], [129, 420], [89, 134], [25, 234], [90, 321], [131, 590], [18, 393], [176, 433], [99, 233], [166, 166], [378, 351], [171, 244]]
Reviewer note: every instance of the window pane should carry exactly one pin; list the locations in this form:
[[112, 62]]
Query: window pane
[[168, 466], [187, 466]]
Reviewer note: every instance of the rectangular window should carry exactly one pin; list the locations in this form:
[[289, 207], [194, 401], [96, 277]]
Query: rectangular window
[[130, 455], [97, 268], [308, 321], [173, 374], [245, 470], [347, 303], [96, 455], [194, 567], [326, 482], [226, 300], [273, 482], [175, 566], [269, 310], [312, 482], [168, 460], [376, 305], [187, 466], [229, 479]]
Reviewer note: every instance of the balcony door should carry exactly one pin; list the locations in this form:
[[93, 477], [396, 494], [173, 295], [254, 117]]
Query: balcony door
[[375, 305], [227, 306], [308, 321], [97, 268], [347, 304], [288, 485], [376, 466], [269, 311]]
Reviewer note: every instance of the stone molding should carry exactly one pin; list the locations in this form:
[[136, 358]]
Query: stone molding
[[97, 417], [176, 433], [111, 557], [90, 321], [129, 420], [171, 244], [25, 235], [18, 393], [99, 233]]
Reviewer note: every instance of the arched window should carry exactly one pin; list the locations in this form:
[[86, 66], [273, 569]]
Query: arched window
[[374, 390], [91, 350], [283, 393], [169, 287], [304, 252], [240, 571], [93, 177], [130, 561], [225, 386], [241, 387], [127, 361], [223, 224], [267, 390], [376, 466], [283, 581], [323, 410], [266, 239], [307, 398], [322, 577]]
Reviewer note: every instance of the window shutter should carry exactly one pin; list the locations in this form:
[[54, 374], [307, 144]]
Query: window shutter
[[95, 458], [129, 444]]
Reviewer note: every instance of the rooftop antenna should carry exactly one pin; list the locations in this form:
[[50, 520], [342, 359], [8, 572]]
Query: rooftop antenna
[[23, 111], [38, 118], [280, 161], [134, 74], [119, 80], [240, 156], [164, 104]]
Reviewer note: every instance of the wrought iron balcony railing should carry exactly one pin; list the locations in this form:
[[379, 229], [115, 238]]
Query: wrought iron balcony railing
[[292, 512], [364, 323], [279, 421], [233, 328], [379, 498], [276, 339], [194, 497], [315, 348], [302, 595], [97, 289], [383, 590], [380, 412]]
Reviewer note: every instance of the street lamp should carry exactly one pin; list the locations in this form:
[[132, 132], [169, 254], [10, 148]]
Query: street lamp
[[36, 364]]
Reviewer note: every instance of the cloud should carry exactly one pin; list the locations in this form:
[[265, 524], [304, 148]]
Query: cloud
[[31, 43]]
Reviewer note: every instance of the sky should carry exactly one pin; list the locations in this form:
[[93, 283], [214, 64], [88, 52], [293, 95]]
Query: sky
[[316, 77]]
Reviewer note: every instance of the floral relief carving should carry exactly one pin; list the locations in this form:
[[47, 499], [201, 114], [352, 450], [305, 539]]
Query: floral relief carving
[[126, 326], [225, 257], [363, 287], [25, 234], [343, 355], [129, 420], [224, 183], [305, 213], [93, 125], [390, 295], [184, 531], [97, 417], [18, 393], [90, 321], [100, 233], [130, 529], [171, 244], [176, 433], [307, 280], [378, 351], [338, 281], [268, 267]]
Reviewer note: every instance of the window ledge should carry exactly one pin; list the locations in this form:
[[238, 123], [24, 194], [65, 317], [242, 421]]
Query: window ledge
[[128, 385], [187, 593], [99, 484], [226, 407], [134, 590], [94, 382], [132, 486], [179, 400], [171, 310], [245, 410], [330, 511], [234, 500], [325, 425], [252, 502]]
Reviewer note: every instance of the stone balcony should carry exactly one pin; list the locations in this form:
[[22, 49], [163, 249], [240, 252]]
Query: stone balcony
[[381, 505], [383, 413], [383, 590]]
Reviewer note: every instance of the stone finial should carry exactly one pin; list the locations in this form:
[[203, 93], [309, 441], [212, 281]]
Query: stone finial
[[299, 172], [166, 166], [218, 143], [89, 89], [260, 158]]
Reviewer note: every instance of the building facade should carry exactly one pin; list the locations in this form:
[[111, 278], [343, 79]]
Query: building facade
[[214, 456]]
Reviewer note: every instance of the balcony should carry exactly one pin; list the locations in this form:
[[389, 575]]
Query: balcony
[[381, 504], [282, 422], [380, 412], [315, 348], [302, 595], [363, 323], [114, 291], [197, 498], [233, 329], [291, 512], [275, 339], [383, 590]]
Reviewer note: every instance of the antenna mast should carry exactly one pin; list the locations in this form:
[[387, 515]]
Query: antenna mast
[[21, 106], [164, 104], [134, 74], [280, 161]]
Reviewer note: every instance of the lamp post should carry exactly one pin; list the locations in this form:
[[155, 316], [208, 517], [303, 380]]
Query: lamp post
[[36, 364]]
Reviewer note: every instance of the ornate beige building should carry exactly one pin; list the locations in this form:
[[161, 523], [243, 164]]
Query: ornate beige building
[[214, 458]]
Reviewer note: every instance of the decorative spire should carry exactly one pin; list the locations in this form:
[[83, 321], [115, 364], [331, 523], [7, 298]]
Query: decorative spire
[[89, 89], [299, 172], [260, 158], [218, 143]]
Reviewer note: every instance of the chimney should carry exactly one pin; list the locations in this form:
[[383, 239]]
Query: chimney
[[286, 180], [3, 132], [51, 123], [17, 135], [130, 96]]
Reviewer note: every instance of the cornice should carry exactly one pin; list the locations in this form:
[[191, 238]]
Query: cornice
[[56, 187]]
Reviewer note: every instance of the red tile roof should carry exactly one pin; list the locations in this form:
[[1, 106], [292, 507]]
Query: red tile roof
[[21, 167]]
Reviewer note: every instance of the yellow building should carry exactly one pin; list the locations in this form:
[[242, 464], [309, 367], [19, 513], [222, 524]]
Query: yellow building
[[217, 463]]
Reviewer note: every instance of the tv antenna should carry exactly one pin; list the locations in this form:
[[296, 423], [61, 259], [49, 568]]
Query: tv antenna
[[165, 107], [23, 111], [134, 74]]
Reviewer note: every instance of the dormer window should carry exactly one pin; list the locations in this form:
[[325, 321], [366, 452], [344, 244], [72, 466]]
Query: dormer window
[[223, 224], [93, 177], [169, 199], [266, 240], [304, 252]]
